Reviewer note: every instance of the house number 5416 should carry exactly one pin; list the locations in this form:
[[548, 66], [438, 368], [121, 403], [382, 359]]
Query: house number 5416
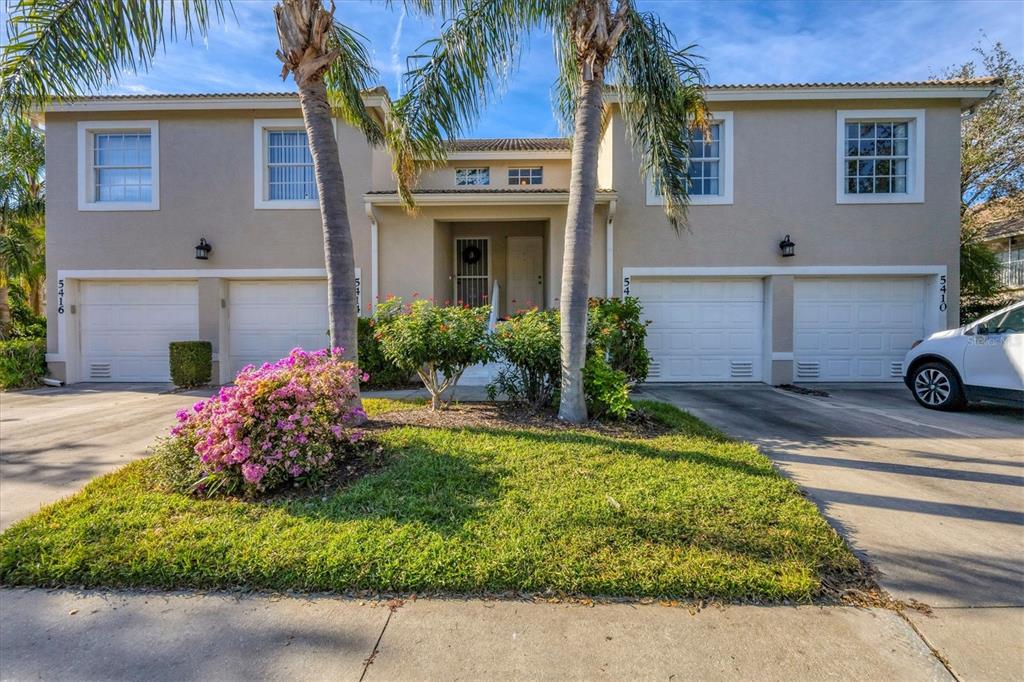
[[60, 297]]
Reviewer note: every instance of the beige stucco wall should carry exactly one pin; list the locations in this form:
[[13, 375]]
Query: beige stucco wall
[[785, 183], [206, 190]]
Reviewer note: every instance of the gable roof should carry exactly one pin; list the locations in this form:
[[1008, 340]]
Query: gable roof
[[1007, 227]]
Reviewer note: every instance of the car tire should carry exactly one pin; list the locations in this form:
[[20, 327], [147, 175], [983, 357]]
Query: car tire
[[936, 386]]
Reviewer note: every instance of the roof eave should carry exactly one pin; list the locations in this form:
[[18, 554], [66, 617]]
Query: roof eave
[[479, 198]]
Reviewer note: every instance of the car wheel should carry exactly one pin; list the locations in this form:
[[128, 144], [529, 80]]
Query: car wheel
[[936, 386]]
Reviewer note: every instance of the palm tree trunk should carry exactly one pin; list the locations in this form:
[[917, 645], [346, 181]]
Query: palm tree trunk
[[5, 311], [339, 258], [579, 228]]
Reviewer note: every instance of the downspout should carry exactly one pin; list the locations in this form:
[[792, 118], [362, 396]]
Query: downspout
[[374, 258], [609, 239]]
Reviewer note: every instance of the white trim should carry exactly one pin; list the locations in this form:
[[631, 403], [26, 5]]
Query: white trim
[[609, 250], [85, 203], [259, 174], [915, 162], [726, 166], [782, 356], [500, 155], [374, 257], [224, 273], [798, 270], [510, 198]]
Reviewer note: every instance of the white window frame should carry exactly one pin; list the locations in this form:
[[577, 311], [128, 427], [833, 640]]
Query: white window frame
[[259, 166], [472, 168], [520, 169], [915, 155], [725, 168], [86, 199]]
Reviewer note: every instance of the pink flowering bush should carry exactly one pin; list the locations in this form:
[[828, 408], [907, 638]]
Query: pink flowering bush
[[283, 422]]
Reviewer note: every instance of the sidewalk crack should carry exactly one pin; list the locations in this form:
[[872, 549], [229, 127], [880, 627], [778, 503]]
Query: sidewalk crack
[[935, 652], [393, 605]]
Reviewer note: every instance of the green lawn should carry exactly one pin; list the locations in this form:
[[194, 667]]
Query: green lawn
[[687, 514]]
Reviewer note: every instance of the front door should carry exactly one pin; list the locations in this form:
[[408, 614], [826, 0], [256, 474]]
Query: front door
[[525, 274]]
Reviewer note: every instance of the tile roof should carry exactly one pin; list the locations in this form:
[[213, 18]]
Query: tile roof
[[495, 190], [1007, 227], [511, 144], [948, 82]]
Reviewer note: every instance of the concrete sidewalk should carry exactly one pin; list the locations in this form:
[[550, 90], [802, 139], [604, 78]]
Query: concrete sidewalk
[[67, 635]]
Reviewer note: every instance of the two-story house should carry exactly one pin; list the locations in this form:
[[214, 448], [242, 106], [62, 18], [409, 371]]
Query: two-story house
[[822, 238]]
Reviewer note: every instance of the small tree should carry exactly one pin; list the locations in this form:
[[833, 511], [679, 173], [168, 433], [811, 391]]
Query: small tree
[[991, 173], [436, 342]]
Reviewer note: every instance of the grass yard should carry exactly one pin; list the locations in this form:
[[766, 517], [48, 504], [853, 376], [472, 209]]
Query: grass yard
[[458, 509]]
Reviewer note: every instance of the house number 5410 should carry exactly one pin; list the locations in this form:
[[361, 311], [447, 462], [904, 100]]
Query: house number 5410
[[942, 294]]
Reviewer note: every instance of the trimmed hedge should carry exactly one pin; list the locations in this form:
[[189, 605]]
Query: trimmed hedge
[[22, 362], [383, 373], [191, 363]]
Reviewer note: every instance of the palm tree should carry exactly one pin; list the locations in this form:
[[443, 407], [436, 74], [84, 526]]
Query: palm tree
[[59, 48], [596, 42], [22, 210]]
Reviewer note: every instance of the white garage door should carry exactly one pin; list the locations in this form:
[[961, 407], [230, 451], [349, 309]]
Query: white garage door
[[126, 327], [269, 318], [855, 329], [703, 329]]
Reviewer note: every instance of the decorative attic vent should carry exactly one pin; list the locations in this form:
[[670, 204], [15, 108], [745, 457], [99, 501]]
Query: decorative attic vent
[[807, 370], [896, 369], [741, 369], [99, 370], [654, 370]]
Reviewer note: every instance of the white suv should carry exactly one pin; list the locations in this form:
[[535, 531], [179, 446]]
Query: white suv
[[980, 361]]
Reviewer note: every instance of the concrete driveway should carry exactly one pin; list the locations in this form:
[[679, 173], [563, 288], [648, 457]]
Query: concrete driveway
[[53, 440], [935, 501]]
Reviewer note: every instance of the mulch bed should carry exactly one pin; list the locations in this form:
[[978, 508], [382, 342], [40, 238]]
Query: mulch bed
[[505, 415]]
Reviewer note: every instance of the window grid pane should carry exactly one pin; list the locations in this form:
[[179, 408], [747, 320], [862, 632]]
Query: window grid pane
[[122, 166], [526, 176], [290, 175], [472, 176], [876, 158], [705, 161]]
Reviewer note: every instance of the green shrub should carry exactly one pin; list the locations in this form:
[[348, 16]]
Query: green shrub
[[191, 363], [383, 373], [616, 331], [606, 390], [528, 345], [436, 342], [25, 323], [22, 362], [176, 465]]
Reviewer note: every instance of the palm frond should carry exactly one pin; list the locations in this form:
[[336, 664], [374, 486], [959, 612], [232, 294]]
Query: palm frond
[[57, 49], [661, 98], [349, 75], [453, 76]]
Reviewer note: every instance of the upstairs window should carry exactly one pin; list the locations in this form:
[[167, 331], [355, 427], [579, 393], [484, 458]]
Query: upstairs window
[[526, 176], [472, 177], [282, 165], [290, 175], [118, 166], [881, 156], [710, 166]]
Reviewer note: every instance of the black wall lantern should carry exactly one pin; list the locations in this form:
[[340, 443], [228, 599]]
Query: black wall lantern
[[787, 247], [203, 249]]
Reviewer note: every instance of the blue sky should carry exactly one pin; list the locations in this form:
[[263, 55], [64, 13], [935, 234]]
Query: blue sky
[[742, 42]]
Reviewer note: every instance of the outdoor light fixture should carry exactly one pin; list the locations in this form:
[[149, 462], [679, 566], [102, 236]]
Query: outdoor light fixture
[[203, 249], [787, 247]]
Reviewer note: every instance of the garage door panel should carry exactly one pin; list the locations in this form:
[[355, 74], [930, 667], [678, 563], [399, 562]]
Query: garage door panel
[[703, 329], [126, 327], [867, 327], [267, 319]]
